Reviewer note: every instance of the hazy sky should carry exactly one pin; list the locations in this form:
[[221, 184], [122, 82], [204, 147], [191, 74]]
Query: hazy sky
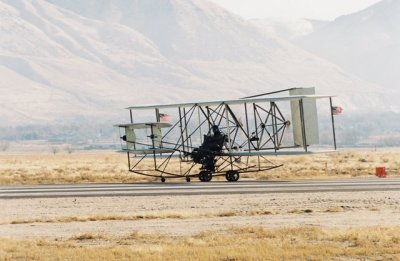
[[315, 9]]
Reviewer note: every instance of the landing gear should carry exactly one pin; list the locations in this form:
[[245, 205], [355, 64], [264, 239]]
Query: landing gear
[[163, 180], [232, 175], [187, 179], [205, 176]]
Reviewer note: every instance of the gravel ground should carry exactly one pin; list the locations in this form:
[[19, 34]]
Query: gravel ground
[[341, 209]]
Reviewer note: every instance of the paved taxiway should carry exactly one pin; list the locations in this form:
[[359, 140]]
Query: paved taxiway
[[198, 188]]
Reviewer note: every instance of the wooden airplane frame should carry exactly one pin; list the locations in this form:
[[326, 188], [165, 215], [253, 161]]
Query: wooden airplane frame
[[253, 129]]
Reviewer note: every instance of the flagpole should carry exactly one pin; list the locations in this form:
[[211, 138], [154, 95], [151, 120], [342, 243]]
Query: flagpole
[[333, 123]]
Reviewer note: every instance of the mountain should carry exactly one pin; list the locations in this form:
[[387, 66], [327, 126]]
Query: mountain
[[366, 43], [289, 29], [69, 61]]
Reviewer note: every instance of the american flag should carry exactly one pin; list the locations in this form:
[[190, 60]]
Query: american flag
[[165, 117], [336, 110]]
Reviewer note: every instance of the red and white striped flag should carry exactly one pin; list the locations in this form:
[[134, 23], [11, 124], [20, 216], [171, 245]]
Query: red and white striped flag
[[165, 117], [336, 110]]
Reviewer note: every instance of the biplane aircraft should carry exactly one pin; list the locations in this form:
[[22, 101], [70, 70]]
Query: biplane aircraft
[[222, 138]]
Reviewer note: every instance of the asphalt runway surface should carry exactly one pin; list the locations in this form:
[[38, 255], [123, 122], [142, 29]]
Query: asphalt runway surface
[[199, 188]]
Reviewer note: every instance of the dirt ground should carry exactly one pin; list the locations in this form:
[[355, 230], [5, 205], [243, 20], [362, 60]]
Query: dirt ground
[[281, 226], [111, 167], [188, 215]]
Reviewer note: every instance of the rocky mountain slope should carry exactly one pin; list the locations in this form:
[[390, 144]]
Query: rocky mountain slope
[[64, 61], [366, 43]]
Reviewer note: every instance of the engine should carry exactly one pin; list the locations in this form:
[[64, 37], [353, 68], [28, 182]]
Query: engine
[[211, 147]]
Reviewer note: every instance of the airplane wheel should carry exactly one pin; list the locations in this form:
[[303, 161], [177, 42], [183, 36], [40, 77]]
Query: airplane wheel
[[235, 176], [187, 179], [205, 176], [228, 176], [162, 180], [232, 175]]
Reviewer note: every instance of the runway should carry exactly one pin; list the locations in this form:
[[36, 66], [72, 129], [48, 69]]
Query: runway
[[198, 188]]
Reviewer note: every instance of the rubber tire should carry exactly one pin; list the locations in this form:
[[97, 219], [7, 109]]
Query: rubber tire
[[208, 177], [228, 176], [232, 175], [235, 176], [205, 176], [201, 177]]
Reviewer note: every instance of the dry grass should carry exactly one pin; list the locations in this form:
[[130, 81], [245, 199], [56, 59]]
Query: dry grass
[[192, 215], [102, 218], [334, 210], [112, 167], [66, 168], [88, 236], [238, 243], [70, 219], [338, 164], [300, 211]]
